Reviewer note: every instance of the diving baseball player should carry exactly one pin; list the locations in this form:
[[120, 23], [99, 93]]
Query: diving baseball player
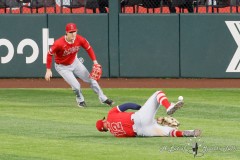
[[67, 64], [142, 122]]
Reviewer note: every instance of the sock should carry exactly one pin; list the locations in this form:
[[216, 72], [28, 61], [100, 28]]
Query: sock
[[176, 133], [162, 99], [79, 97], [77, 93]]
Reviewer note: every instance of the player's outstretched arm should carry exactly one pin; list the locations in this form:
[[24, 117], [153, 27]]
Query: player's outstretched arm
[[48, 74]]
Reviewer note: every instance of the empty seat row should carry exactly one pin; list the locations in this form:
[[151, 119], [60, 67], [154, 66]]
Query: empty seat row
[[54, 4]]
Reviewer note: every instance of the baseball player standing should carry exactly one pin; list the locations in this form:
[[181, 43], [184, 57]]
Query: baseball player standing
[[67, 64], [142, 122]]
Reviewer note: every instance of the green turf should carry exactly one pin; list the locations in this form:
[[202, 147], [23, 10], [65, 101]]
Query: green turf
[[45, 124]]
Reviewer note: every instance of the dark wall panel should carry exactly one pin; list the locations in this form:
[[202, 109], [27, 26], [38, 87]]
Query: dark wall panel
[[149, 45], [207, 46], [21, 49]]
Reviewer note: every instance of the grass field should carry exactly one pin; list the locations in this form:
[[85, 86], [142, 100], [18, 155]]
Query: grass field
[[45, 124]]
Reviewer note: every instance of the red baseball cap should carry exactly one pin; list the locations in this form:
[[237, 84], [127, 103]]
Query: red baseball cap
[[99, 125], [71, 27]]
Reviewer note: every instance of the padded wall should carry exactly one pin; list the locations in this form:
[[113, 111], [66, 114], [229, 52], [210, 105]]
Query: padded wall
[[207, 46], [149, 45]]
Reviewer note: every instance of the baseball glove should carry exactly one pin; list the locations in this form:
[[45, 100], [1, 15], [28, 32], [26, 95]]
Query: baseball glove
[[168, 121], [96, 72]]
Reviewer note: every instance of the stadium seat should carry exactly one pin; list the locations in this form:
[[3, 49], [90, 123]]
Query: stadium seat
[[151, 4], [72, 4], [11, 4], [200, 4], [130, 3], [3, 5], [236, 4], [169, 4], [91, 4], [216, 4], [184, 4], [37, 4]]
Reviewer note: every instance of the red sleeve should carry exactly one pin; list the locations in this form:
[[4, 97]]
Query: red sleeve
[[49, 61], [54, 47], [89, 49], [91, 53], [50, 54], [114, 110]]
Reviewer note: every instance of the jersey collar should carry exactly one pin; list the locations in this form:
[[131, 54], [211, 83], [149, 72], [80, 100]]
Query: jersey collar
[[65, 37]]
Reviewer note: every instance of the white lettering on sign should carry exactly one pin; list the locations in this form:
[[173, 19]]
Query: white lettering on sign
[[234, 28], [46, 42], [34, 46], [10, 54]]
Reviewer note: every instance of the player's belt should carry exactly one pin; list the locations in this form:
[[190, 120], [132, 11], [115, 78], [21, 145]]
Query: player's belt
[[61, 64]]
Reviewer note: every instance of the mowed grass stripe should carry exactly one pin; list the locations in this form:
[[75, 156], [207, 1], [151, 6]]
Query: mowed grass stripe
[[46, 124]]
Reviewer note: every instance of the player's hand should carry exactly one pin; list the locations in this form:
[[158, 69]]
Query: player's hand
[[48, 74]]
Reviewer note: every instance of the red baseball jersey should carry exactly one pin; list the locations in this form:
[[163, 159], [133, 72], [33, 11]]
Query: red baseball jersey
[[120, 123], [65, 53]]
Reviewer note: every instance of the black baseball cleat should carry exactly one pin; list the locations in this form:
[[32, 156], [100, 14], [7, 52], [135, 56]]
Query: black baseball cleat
[[82, 104], [109, 102]]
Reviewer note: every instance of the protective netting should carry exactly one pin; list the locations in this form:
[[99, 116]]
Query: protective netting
[[126, 6]]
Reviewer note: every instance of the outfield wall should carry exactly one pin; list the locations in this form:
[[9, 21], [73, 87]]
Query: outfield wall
[[127, 45]]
